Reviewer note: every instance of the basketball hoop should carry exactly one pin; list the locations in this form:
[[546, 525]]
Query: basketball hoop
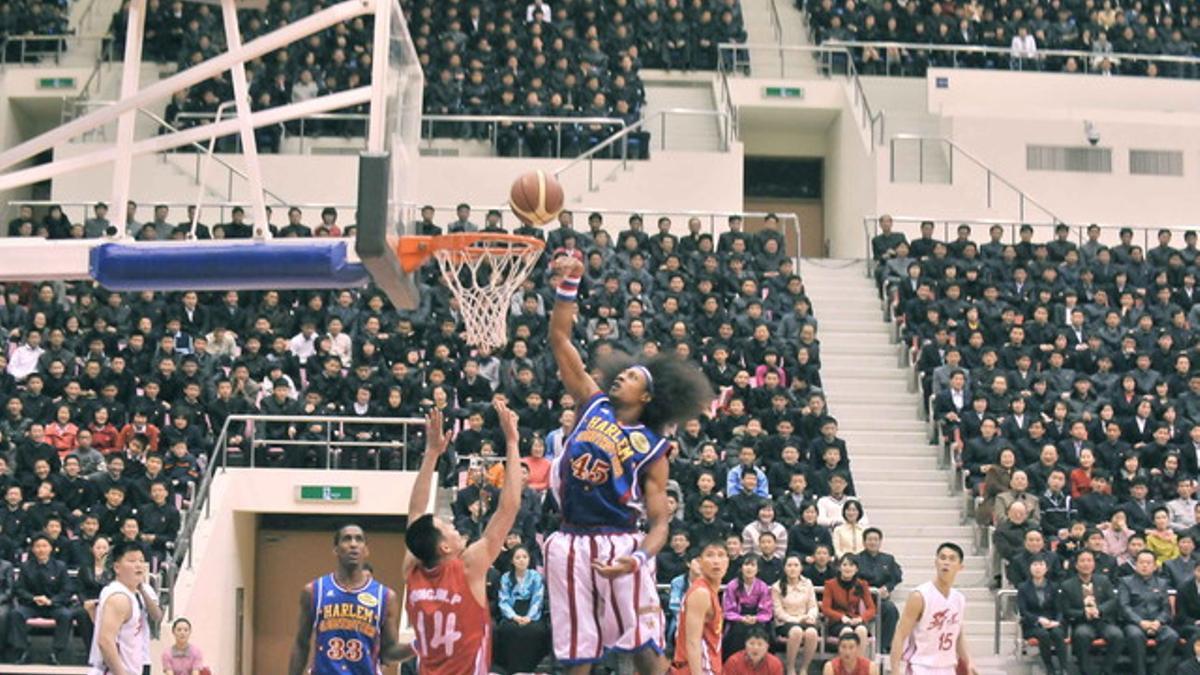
[[483, 270]]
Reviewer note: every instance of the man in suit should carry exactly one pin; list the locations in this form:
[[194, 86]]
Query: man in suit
[[1089, 605], [43, 590], [1187, 607], [1139, 508], [1191, 666], [1179, 571], [1147, 616], [883, 572], [1041, 618]]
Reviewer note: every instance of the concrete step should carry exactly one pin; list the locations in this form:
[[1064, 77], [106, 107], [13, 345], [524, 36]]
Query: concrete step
[[882, 409], [839, 347], [858, 325], [837, 299], [847, 388], [922, 530], [881, 363], [865, 462], [895, 441], [866, 473], [884, 518], [838, 312], [934, 500], [837, 372], [874, 489], [841, 397], [864, 420]]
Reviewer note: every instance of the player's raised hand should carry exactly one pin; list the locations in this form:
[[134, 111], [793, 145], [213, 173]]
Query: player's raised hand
[[436, 439], [619, 567], [569, 266], [508, 422]]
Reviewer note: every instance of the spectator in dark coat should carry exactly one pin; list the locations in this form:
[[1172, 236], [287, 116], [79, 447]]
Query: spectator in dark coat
[[1041, 617], [43, 591]]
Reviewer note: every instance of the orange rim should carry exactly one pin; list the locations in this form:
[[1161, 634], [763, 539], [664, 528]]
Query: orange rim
[[414, 250]]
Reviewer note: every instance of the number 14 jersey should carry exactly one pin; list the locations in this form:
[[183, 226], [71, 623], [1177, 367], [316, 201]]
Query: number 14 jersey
[[934, 641], [454, 635]]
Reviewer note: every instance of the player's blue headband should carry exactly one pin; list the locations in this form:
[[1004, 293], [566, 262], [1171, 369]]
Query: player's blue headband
[[646, 374]]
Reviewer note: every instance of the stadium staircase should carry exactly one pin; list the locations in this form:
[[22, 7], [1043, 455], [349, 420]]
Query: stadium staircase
[[904, 490]]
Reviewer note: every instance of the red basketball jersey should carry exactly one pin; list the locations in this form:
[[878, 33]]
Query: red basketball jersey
[[453, 629], [710, 639]]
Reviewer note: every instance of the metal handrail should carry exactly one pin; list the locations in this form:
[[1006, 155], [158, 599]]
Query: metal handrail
[[728, 63], [1001, 596], [1086, 57], [776, 23], [622, 136], [991, 174], [59, 46], [201, 506]]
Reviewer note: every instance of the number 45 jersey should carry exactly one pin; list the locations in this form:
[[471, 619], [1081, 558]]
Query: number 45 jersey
[[454, 634], [597, 477]]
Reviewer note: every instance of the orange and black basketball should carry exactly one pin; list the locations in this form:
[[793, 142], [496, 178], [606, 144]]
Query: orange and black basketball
[[536, 198]]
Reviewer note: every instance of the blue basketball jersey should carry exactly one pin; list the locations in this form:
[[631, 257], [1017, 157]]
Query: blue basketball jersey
[[347, 625], [597, 477]]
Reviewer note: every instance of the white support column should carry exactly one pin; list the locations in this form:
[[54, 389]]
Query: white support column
[[241, 97], [130, 82], [377, 122]]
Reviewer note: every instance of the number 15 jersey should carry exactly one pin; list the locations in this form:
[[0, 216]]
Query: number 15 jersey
[[454, 634], [934, 640]]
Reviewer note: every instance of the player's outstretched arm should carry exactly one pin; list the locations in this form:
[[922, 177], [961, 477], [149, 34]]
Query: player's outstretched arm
[[574, 373], [300, 645], [391, 650], [908, 620], [436, 441], [481, 554]]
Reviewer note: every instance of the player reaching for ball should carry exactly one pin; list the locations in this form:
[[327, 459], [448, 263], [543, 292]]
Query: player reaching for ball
[[612, 473], [929, 638], [447, 579]]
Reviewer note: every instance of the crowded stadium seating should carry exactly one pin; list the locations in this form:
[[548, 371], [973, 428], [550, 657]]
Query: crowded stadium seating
[[1059, 378], [99, 376], [1015, 32], [507, 58]]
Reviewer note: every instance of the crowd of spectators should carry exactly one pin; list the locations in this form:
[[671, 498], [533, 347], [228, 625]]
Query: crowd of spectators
[[1020, 29], [23, 18], [1064, 380], [107, 394], [572, 58]]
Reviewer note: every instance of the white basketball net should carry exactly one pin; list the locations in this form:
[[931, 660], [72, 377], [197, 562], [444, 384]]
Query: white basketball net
[[484, 277]]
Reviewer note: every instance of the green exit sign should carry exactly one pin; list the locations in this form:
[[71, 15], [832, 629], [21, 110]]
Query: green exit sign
[[783, 92], [345, 494], [56, 83]]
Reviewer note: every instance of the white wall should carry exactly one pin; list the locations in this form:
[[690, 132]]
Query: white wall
[[225, 546], [670, 181]]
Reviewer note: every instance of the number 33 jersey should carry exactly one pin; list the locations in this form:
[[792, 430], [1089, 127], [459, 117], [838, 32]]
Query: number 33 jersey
[[347, 624], [596, 479], [454, 634]]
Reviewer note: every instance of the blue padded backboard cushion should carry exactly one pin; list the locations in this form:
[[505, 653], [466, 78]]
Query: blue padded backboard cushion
[[203, 266]]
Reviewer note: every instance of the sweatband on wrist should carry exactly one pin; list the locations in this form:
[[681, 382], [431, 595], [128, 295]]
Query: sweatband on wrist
[[568, 289], [641, 558]]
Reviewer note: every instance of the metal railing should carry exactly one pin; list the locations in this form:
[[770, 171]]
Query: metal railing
[[492, 124], [826, 61], [36, 49], [899, 56], [201, 506], [619, 142], [952, 149]]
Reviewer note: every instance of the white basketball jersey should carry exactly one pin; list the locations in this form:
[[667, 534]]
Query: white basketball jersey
[[133, 637], [934, 640]]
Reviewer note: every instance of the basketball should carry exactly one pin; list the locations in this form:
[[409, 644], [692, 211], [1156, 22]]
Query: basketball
[[536, 198]]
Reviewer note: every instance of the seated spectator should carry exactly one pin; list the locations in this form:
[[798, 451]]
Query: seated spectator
[[182, 657], [94, 574], [1162, 540], [1018, 492], [795, 604], [673, 560], [881, 571], [765, 522], [829, 507], [539, 465], [679, 587], [996, 480], [1041, 617], [848, 536], [755, 657], [735, 483], [847, 603], [849, 658], [522, 635], [770, 566], [1179, 571], [806, 535], [43, 591], [1092, 609], [1147, 616], [747, 604]]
